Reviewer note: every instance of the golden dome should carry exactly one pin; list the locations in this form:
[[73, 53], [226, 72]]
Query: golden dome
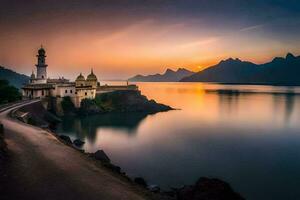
[[80, 78], [91, 77]]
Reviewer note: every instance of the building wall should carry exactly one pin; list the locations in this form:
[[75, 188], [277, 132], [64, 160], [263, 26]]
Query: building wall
[[62, 91], [30, 93], [93, 84], [80, 83], [83, 94], [41, 73], [39, 81]]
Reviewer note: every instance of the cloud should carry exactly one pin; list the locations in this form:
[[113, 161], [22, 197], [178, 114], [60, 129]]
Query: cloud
[[199, 42], [251, 28]]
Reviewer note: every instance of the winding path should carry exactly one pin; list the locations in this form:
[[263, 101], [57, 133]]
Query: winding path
[[41, 167]]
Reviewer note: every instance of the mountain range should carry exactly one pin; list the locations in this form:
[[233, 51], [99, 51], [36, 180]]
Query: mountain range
[[168, 76], [13, 77], [280, 71]]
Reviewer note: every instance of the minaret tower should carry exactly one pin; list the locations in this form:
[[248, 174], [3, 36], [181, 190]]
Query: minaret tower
[[41, 66]]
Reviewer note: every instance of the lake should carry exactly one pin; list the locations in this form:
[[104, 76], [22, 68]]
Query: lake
[[247, 135]]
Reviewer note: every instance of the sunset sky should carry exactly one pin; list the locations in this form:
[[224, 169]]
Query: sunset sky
[[120, 38]]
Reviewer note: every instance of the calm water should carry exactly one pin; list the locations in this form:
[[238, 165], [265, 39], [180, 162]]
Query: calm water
[[250, 139]]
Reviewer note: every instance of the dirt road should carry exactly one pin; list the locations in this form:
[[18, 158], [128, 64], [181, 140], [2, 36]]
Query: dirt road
[[41, 167]]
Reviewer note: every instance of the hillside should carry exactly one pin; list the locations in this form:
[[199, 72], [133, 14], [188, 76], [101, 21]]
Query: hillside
[[168, 76], [230, 70], [281, 71], [13, 77]]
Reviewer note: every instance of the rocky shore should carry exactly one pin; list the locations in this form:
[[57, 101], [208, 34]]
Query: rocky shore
[[204, 189], [47, 112], [117, 101]]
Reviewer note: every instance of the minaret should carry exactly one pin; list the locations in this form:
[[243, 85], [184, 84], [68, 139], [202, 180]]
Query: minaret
[[41, 64], [32, 77]]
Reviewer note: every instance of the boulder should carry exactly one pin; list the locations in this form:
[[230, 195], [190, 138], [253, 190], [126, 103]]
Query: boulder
[[154, 188], [78, 143], [101, 155], [66, 139], [208, 189], [141, 181]]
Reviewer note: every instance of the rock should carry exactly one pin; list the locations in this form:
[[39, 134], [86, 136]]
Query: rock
[[140, 181], [88, 107], [154, 188], [101, 155], [113, 167], [208, 189], [128, 101], [66, 139], [78, 142], [170, 193], [3, 145], [1, 129]]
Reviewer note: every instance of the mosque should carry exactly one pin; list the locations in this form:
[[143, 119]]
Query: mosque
[[41, 86]]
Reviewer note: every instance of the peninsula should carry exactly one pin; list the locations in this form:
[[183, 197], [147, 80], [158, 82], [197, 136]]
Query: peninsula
[[85, 95]]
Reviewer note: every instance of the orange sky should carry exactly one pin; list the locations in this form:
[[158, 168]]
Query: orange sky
[[122, 44], [137, 49]]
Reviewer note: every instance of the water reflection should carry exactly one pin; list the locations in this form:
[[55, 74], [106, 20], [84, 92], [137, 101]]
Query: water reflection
[[285, 102], [228, 102], [85, 128], [247, 135]]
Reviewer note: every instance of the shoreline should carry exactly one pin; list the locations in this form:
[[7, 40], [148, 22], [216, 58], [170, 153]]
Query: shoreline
[[114, 169], [86, 158], [139, 186]]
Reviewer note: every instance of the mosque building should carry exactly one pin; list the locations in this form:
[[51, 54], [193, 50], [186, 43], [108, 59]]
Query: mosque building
[[40, 86]]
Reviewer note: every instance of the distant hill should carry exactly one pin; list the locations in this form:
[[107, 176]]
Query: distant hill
[[13, 77], [280, 71], [168, 76]]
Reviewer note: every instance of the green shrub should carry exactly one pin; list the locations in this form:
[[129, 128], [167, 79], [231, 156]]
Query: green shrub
[[8, 93], [67, 104]]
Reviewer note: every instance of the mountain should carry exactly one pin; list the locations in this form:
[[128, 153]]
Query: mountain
[[230, 70], [13, 77], [281, 71], [168, 76]]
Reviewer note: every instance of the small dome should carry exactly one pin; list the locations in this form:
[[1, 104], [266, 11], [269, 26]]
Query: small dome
[[91, 77], [80, 78], [41, 51]]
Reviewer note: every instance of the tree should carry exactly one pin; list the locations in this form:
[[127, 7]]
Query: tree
[[8, 93], [67, 104]]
